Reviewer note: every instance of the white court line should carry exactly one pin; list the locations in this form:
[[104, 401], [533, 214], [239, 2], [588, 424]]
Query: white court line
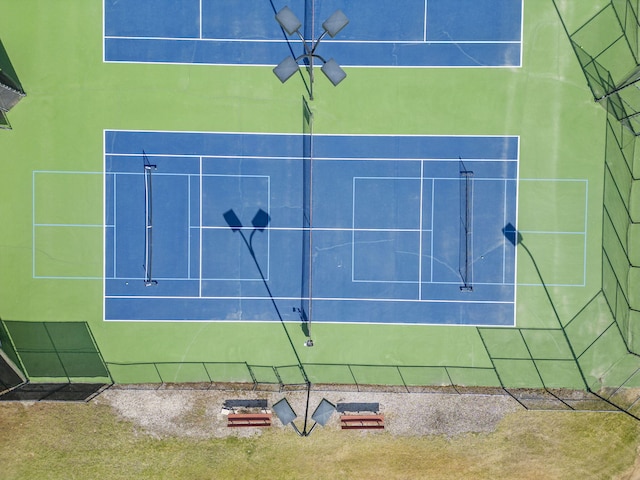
[[33, 226], [189, 226], [353, 226], [184, 279], [330, 159], [472, 181], [415, 282], [551, 232], [521, 50], [480, 179], [318, 229], [200, 20], [181, 174], [320, 299], [433, 200], [258, 279], [104, 60], [279, 134], [424, 24], [104, 205], [298, 42], [516, 213], [504, 242], [69, 172], [81, 225], [420, 228], [115, 222], [200, 221], [586, 216], [324, 322], [271, 65], [269, 231], [488, 179], [50, 277]]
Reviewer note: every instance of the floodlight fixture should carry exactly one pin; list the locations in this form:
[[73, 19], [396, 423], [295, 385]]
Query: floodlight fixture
[[288, 20], [321, 415], [291, 24], [284, 412], [285, 69], [336, 22], [323, 412], [333, 71]]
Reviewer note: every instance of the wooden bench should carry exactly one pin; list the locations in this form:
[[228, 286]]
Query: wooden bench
[[249, 420], [349, 422]]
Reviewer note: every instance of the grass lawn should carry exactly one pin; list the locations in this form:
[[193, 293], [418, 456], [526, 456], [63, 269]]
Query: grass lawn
[[68, 441]]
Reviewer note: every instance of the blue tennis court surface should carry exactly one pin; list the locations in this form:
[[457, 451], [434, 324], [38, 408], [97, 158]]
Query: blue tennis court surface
[[410, 33], [386, 245]]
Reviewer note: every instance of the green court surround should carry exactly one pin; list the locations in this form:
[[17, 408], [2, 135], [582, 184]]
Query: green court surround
[[72, 96]]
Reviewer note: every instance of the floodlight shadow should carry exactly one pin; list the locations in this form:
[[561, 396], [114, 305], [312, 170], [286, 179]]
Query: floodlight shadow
[[232, 220], [511, 233], [260, 220]]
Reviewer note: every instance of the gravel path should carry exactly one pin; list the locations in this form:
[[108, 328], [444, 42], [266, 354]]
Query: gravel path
[[199, 413]]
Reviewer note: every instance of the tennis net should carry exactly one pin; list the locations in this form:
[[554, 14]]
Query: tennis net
[[466, 228], [148, 218]]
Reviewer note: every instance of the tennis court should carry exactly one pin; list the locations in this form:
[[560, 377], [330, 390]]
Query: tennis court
[[437, 226], [387, 227], [415, 33]]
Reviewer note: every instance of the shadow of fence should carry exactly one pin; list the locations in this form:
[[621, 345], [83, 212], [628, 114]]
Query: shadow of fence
[[607, 48], [408, 379], [11, 91], [621, 233], [604, 336], [61, 361]]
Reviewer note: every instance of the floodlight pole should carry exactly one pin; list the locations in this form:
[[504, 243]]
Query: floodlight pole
[[304, 432], [290, 25], [309, 55], [321, 415], [306, 414]]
